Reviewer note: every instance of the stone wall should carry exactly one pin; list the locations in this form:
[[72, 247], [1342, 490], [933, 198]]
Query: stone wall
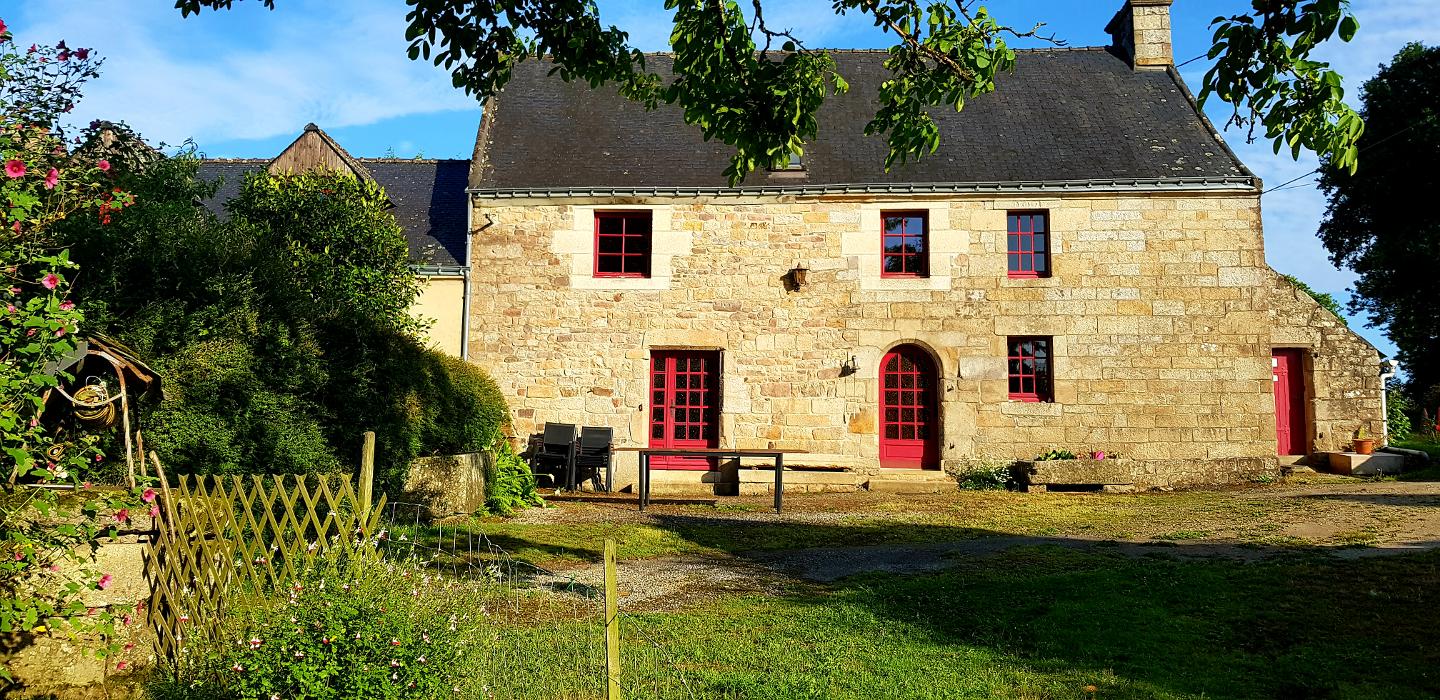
[[447, 485], [1342, 370], [1158, 306]]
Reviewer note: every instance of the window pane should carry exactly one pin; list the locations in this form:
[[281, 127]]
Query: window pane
[[892, 414], [637, 265], [638, 244], [1012, 223], [611, 224], [638, 224], [1014, 261], [915, 225], [1014, 384], [610, 244], [892, 432], [917, 244], [893, 225], [1038, 242], [694, 432], [657, 431], [1038, 224], [907, 432], [609, 263]]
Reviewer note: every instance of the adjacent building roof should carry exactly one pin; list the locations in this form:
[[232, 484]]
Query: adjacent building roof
[[428, 195], [1064, 116]]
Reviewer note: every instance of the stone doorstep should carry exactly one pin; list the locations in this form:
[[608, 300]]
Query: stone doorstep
[[1354, 464]]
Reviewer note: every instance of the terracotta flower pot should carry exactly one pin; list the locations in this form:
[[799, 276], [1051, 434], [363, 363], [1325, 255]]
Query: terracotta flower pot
[[1364, 447]]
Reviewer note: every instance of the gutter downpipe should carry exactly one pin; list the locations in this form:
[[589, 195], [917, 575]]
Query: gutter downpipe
[[465, 298], [1387, 371]]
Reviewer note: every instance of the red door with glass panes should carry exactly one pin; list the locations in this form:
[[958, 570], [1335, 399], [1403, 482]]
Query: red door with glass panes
[[909, 409], [684, 405], [1290, 432]]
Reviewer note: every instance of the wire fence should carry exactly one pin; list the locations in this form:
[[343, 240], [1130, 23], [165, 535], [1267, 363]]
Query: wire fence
[[549, 628]]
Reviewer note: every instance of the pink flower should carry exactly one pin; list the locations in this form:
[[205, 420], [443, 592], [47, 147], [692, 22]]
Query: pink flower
[[155, 511], [19, 555], [15, 227], [103, 165], [14, 168], [86, 485], [148, 496], [52, 178], [122, 665], [122, 515], [10, 308], [60, 332], [50, 281], [103, 583], [1099, 455], [67, 305], [3, 28], [82, 54]]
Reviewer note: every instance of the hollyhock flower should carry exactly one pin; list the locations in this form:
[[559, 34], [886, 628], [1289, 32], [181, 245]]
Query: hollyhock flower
[[3, 28], [148, 496], [103, 583], [33, 48], [60, 332], [103, 165], [67, 305], [52, 178], [122, 515], [154, 511], [50, 281], [14, 168], [82, 54]]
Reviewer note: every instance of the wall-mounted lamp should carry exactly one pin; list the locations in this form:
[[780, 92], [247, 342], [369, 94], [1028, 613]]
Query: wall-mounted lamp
[[797, 276], [849, 367]]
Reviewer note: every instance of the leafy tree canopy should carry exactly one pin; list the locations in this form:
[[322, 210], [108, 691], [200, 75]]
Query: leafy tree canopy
[[1380, 222], [757, 88]]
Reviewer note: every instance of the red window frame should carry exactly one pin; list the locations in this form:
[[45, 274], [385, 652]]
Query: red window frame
[[914, 254], [633, 248], [1027, 244], [1030, 368]]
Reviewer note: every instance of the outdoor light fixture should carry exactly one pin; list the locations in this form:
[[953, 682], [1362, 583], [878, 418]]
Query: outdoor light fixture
[[797, 275], [849, 367]]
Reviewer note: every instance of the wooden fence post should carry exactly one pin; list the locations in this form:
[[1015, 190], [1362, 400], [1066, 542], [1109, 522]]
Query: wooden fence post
[[367, 474], [612, 626]]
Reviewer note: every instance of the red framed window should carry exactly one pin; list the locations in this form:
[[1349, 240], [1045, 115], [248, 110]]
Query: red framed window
[[622, 243], [904, 249], [1028, 244], [1030, 377]]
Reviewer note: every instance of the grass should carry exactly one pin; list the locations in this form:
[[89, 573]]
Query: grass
[[1044, 622], [1242, 516], [1430, 447]]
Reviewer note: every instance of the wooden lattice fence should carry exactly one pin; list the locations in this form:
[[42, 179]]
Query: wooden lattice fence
[[217, 533]]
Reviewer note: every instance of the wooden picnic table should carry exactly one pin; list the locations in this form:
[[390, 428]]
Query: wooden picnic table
[[718, 452]]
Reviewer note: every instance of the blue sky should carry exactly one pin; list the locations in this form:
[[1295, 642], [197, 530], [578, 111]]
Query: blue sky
[[243, 83]]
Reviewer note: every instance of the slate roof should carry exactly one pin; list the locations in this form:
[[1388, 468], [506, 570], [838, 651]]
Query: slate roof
[[1062, 115], [429, 198]]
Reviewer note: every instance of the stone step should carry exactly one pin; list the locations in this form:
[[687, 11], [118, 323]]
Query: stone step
[[908, 486], [760, 482], [1354, 464]]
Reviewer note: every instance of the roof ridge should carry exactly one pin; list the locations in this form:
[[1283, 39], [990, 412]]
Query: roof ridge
[[235, 160], [413, 160]]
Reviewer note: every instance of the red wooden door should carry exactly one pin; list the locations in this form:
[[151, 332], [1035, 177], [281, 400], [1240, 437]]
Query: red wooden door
[[909, 430], [684, 405], [1289, 380]]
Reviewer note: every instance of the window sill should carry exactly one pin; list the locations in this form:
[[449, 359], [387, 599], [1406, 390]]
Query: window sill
[[1016, 407]]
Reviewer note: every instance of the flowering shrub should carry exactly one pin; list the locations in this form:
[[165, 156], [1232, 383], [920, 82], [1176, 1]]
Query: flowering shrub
[[347, 628], [43, 183], [987, 477]]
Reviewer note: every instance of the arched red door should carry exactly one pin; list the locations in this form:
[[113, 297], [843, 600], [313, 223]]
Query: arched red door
[[909, 409]]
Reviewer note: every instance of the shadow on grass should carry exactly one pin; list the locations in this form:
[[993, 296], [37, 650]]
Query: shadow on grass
[[975, 613]]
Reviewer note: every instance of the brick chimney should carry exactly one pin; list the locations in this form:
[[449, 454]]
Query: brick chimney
[[1141, 31]]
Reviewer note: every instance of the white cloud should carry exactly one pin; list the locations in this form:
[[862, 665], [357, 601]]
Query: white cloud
[[200, 78]]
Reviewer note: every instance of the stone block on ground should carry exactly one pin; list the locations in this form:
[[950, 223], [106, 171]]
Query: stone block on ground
[[447, 485], [1354, 464]]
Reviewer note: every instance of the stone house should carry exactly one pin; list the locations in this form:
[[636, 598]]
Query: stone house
[[1080, 265], [429, 203]]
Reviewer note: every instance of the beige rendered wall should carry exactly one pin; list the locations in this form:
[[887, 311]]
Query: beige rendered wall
[[442, 301], [1342, 370], [1158, 306]]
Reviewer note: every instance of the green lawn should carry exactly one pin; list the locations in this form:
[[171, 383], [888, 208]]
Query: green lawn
[[1045, 622], [863, 519]]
